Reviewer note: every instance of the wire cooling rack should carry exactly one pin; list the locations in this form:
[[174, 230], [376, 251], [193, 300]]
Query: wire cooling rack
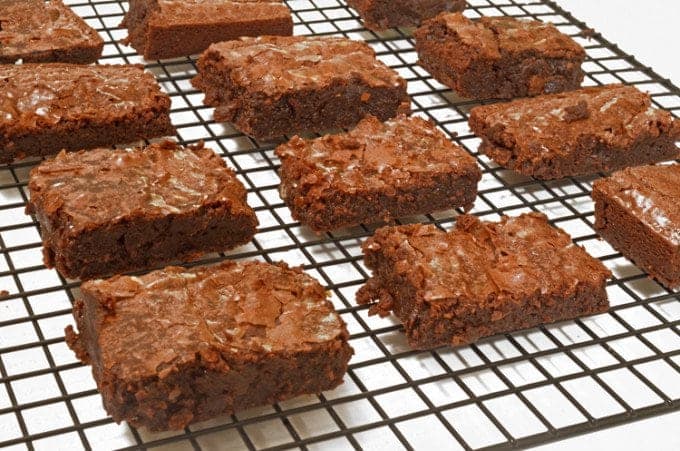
[[512, 390]]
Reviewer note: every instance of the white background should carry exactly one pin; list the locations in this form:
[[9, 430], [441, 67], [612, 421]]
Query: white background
[[650, 31]]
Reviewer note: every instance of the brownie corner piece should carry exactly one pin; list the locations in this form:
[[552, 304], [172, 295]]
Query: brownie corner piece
[[380, 15], [479, 279], [637, 211], [107, 211], [177, 346], [498, 57], [378, 171]]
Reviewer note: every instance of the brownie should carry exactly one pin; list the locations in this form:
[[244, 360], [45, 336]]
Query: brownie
[[576, 133], [271, 85], [37, 31], [382, 14], [169, 28], [479, 279], [498, 57], [378, 171], [178, 346], [106, 211], [45, 108], [637, 210]]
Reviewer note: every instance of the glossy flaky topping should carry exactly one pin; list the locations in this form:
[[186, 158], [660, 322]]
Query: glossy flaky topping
[[376, 155], [103, 186], [651, 193], [276, 64], [494, 37], [208, 11], [31, 26], [33, 96], [153, 323], [488, 262], [616, 115]]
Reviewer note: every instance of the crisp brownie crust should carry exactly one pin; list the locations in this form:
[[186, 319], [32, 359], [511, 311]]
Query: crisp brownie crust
[[376, 172], [598, 129], [382, 14], [107, 211], [36, 31], [480, 279], [271, 86], [637, 210], [179, 345], [498, 57], [161, 29], [45, 108]]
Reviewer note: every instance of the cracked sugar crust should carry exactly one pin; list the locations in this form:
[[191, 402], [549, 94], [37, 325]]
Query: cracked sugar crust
[[204, 12], [156, 322]]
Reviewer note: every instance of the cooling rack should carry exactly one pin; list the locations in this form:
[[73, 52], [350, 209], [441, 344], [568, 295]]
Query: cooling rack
[[511, 390]]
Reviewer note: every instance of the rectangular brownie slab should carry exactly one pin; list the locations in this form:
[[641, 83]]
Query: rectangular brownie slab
[[498, 57], [271, 85], [180, 345], [637, 210], [45, 108], [107, 211], [376, 172], [382, 14], [161, 29], [479, 279], [591, 130], [36, 31]]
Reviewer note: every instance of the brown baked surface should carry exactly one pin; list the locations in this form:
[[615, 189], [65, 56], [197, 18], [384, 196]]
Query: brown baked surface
[[382, 14], [498, 57], [637, 210], [177, 346], [45, 108], [36, 31], [107, 211], [479, 279], [596, 129], [271, 85], [376, 172], [161, 29]]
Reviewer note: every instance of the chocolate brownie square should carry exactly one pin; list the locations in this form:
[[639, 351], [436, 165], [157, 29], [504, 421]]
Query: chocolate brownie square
[[498, 57], [479, 279], [637, 210], [271, 85], [107, 211], [382, 14], [591, 130], [376, 172]]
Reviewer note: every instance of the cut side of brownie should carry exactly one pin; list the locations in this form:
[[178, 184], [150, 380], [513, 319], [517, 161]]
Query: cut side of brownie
[[36, 31], [479, 279], [637, 210], [45, 108], [107, 211], [271, 86], [376, 172], [498, 57], [177, 346], [591, 130], [382, 14], [161, 29]]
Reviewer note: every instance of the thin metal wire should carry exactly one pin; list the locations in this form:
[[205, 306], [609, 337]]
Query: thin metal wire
[[335, 259]]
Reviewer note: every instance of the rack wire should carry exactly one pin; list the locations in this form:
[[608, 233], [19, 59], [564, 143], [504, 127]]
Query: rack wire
[[511, 390]]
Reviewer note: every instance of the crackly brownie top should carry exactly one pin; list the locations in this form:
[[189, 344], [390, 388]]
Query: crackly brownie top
[[153, 323], [614, 114], [275, 64], [375, 155], [28, 26], [494, 37], [102, 186], [218, 11], [517, 257], [651, 193], [33, 96]]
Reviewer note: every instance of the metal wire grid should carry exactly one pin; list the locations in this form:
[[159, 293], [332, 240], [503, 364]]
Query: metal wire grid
[[506, 391]]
